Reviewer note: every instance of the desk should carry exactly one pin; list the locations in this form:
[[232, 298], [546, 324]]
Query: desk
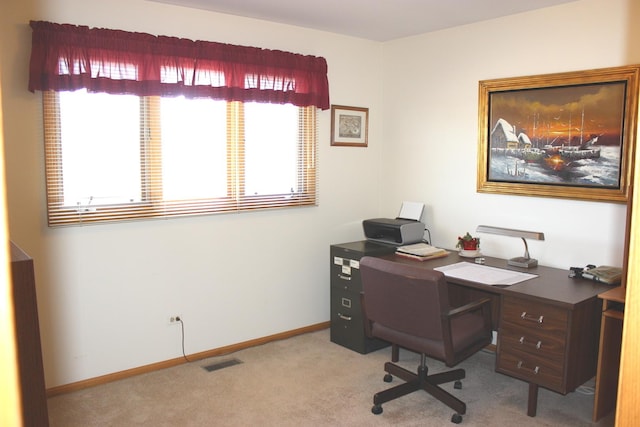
[[33, 394], [609, 354], [548, 327]]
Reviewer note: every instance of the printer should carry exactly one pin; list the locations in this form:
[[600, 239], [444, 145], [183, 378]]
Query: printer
[[394, 231], [403, 230]]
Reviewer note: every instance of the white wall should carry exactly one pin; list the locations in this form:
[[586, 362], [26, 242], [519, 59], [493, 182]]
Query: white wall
[[431, 126], [105, 292]]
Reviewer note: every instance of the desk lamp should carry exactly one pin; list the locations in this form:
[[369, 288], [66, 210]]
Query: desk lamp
[[524, 261]]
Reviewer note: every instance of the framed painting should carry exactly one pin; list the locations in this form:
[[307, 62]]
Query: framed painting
[[349, 126], [568, 135]]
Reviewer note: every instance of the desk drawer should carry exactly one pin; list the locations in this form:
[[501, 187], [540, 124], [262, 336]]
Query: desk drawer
[[532, 368], [532, 343], [538, 318], [547, 345]]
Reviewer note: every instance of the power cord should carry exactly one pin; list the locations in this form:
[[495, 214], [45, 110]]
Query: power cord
[[583, 389], [179, 319], [428, 242]]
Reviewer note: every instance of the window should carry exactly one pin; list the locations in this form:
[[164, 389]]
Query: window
[[144, 126], [121, 157]]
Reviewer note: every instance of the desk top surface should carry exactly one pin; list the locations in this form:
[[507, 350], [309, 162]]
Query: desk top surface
[[552, 285], [616, 294]]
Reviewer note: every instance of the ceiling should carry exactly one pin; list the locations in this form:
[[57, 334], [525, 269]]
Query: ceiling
[[379, 20]]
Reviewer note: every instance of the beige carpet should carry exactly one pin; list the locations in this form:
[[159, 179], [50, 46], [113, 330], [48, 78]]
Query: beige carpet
[[310, 381]]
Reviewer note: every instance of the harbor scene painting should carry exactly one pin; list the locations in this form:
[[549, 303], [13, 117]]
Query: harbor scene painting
[[560, 135], [569, 135]]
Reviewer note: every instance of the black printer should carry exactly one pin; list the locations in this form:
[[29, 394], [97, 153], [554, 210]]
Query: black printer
[[397, 231]]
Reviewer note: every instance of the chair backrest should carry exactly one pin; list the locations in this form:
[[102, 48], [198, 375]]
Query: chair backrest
[[404, 298]]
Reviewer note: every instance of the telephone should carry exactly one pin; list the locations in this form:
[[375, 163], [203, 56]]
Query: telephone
[[604, 273]]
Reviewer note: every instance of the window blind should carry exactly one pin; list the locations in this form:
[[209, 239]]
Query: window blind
[[150, 197]]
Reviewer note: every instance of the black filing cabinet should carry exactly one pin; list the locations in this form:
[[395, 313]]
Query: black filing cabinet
[[347, 325]]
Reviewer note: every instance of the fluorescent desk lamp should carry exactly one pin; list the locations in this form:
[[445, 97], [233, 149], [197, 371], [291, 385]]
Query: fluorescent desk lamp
[[524, 261]]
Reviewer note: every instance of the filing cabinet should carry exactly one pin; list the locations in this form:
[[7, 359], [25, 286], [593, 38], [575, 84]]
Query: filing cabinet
[[347, 323]]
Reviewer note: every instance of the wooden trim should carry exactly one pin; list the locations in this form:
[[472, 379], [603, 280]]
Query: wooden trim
[[10, 389], [628, 403], [104, 379]]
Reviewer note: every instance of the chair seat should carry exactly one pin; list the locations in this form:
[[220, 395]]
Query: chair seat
[[467, 332]]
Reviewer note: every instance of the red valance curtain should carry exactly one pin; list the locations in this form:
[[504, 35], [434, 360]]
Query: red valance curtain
[[69, 57]]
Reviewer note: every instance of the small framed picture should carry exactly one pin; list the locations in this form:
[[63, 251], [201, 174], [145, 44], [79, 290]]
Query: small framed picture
[[349, 126]]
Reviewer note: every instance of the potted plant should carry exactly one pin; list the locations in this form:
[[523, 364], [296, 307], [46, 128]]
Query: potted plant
[[468, 242]]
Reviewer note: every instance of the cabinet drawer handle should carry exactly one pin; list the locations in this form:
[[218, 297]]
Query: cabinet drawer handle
[[537, 346], [534, 370], [524, 316], [343, 317], [343, 277]]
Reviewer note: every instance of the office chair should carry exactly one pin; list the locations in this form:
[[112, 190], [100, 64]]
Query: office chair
[[408, 306]]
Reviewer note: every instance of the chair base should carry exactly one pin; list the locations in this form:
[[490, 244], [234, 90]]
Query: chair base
[[421, 381]]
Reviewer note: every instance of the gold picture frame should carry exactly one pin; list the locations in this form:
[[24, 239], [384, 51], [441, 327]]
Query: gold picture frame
[[349, 126], [567, 135]]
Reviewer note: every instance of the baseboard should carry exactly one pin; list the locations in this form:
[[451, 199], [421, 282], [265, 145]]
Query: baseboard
[[92, 382]]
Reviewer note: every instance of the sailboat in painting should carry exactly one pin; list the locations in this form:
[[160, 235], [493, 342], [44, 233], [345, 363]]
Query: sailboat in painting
[[562, 156]]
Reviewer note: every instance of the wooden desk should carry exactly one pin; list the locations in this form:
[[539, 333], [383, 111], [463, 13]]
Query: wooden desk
[[609, 354], [548, 327], [33, 394]]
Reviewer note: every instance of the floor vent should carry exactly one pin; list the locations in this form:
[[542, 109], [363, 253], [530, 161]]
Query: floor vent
[[221, 365]]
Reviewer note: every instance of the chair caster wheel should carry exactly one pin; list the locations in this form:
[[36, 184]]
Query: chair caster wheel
[[456, 418], [387, 378], [377, 409], [457, 385]]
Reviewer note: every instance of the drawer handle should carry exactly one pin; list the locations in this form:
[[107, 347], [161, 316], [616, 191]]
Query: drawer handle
[[534, 370], [524, 316], [537, 346], [343, 317], [343, 277]]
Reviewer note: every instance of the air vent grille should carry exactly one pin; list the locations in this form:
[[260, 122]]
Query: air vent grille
[[221, 365]]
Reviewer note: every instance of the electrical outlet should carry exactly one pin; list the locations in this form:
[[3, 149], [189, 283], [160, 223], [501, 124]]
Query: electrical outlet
[[174, 320]]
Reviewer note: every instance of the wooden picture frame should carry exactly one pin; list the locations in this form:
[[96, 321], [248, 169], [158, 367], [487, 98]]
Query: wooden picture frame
[[567, 135], [349, 126]]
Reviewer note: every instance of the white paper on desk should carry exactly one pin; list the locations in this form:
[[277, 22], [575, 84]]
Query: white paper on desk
[[484, 274]]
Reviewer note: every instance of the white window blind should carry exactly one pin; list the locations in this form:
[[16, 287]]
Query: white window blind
[[123, 157]]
